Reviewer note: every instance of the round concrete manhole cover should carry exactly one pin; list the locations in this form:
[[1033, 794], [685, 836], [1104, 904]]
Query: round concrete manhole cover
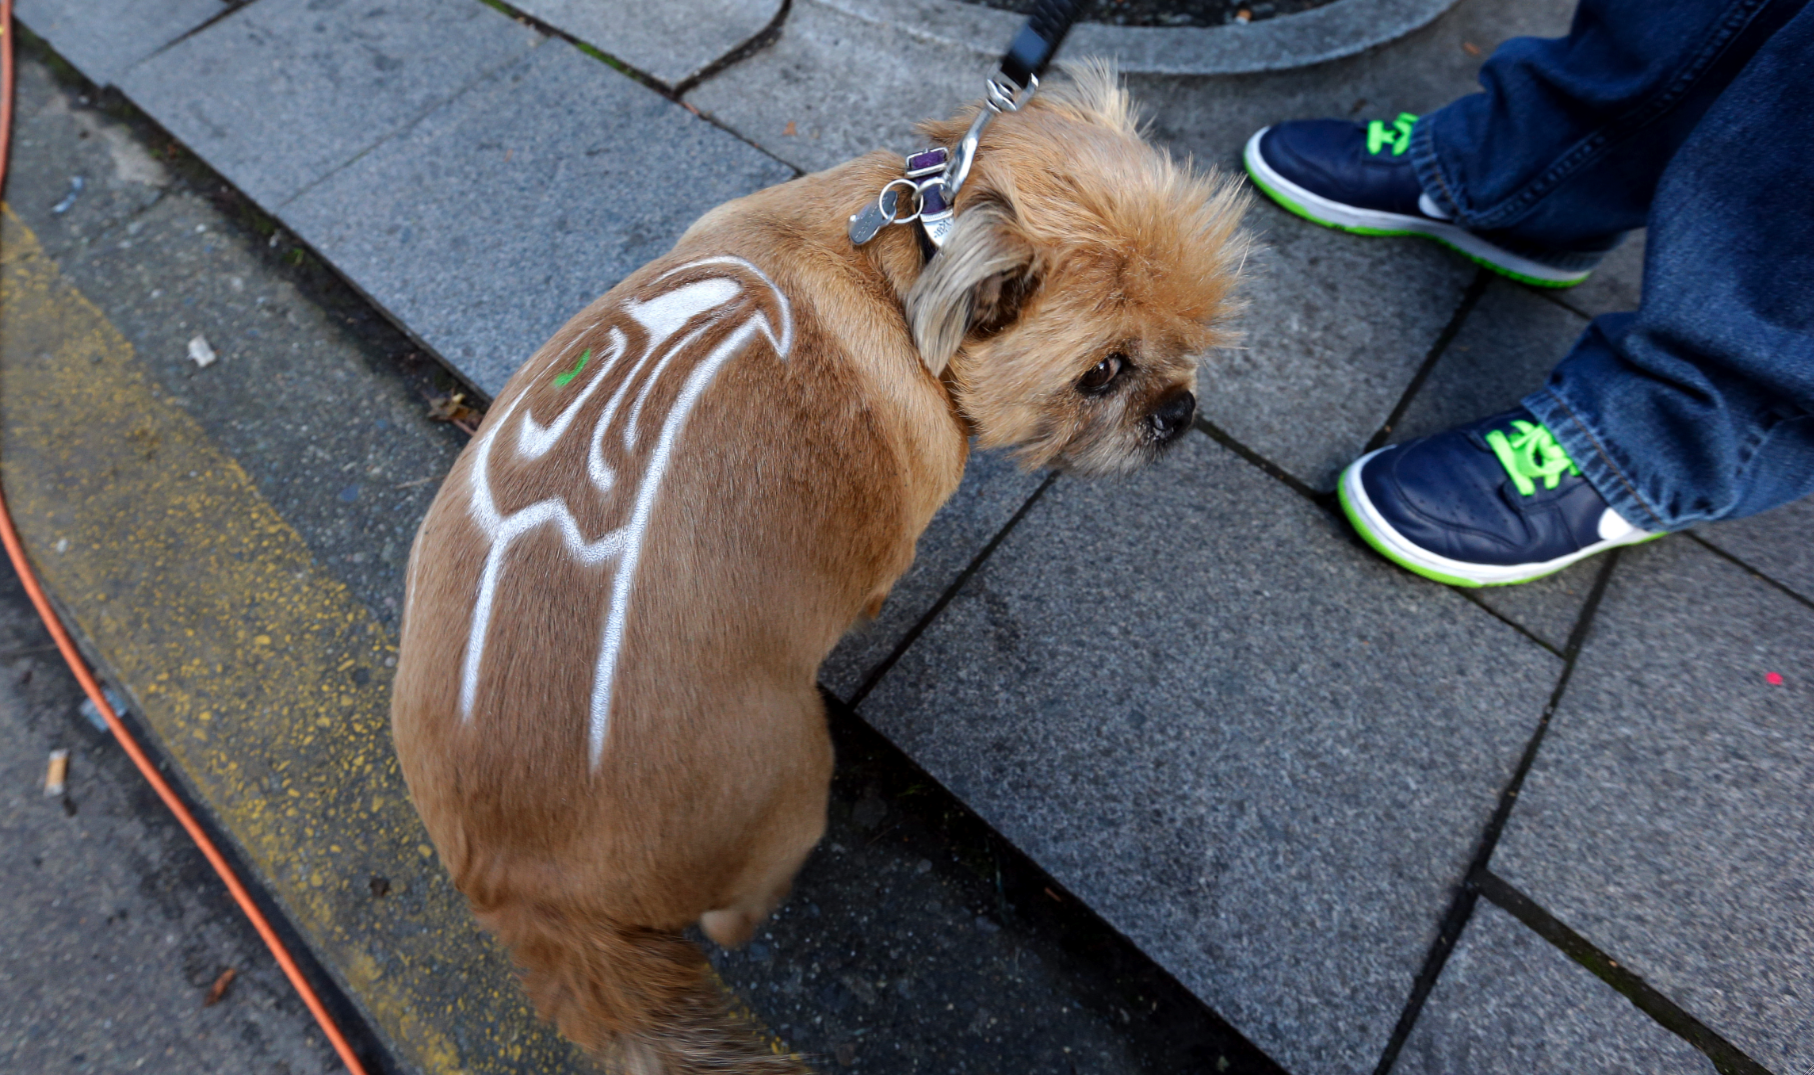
[[1172, 12]]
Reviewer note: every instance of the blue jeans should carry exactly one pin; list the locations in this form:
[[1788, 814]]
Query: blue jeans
[[1694, 118]]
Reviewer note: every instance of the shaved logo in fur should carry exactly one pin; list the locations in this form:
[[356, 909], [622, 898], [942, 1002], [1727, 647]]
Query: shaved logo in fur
[[633, 391]]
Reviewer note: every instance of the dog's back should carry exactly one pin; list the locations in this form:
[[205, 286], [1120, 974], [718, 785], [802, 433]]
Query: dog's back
[[606, 704]]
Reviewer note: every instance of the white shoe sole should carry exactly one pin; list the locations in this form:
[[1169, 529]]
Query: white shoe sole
[[1321, 210]]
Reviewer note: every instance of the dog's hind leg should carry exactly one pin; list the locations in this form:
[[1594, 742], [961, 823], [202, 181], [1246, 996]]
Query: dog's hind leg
[[767, 882], [787, 836]]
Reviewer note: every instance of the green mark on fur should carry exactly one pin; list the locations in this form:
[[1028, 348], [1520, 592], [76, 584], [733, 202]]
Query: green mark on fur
[[563, 379]]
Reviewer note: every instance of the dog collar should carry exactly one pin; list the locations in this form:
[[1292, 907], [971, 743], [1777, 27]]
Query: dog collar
[[932, 177]]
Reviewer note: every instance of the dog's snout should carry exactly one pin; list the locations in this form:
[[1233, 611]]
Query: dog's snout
[[1174, 415]]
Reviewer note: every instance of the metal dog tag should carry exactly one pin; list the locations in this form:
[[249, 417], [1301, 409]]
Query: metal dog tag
[[872, 218]]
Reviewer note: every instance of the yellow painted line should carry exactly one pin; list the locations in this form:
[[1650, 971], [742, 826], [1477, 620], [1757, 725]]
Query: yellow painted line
[[266, 682]]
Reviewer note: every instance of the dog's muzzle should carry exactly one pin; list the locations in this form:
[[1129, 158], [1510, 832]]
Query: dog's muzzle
[[1173, 417]]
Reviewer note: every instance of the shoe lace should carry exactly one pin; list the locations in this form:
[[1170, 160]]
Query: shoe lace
[[1396, 134], [1531, 453]]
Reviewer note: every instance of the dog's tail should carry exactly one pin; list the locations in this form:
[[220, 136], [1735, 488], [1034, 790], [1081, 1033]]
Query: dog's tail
[[643, 1000]]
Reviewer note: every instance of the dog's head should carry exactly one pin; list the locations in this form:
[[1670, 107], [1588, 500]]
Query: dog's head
[[1086, 275]]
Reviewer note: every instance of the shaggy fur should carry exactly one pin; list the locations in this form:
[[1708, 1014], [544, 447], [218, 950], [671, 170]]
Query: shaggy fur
[[605, 702]]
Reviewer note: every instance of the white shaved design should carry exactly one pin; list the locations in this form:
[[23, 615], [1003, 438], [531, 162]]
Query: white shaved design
[[660, 318]]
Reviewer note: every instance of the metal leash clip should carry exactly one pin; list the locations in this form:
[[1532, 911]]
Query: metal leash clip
[[935, 175]]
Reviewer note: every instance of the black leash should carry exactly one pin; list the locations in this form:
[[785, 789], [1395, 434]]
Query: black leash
[[1033, 48], [935, 175]]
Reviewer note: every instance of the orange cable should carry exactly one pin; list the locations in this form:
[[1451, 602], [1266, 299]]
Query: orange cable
[[17, 552]]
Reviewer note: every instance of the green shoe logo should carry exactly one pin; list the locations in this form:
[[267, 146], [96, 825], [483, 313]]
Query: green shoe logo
[[1397, 134], [1530, 454]]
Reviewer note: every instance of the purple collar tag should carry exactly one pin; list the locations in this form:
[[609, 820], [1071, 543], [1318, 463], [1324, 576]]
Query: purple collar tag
[[928, 162]]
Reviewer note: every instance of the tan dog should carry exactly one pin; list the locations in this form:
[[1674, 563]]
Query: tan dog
[[605, 703]]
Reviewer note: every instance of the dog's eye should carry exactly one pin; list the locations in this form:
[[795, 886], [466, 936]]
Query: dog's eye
[[1102, 373]]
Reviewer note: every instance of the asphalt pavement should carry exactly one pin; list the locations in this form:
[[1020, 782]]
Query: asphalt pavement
[[113, 928]]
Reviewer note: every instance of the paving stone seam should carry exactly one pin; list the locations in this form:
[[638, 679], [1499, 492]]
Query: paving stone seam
[[767, 36], [1268, 467], [1778, 584], [756, 44], [1555, 298], [1467, 894], [1474, 598], [233, 7], [1727, 1058], [1440, 346], [976, 562]]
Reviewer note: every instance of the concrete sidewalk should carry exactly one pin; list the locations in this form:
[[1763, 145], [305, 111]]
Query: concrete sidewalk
[[1282, 768]]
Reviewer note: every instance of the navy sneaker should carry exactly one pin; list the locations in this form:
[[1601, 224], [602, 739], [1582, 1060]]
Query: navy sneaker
[[1488, 504], [1359, 178]]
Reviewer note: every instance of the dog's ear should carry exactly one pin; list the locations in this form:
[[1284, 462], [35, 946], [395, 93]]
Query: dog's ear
[[976, 282]]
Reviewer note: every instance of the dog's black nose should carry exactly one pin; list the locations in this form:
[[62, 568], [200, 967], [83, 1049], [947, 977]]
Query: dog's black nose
[[1174, 415]]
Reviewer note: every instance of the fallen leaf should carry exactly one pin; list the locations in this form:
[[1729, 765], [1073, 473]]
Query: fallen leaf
[[219, 988], [789, 130], [453, 409], [1470, 48]]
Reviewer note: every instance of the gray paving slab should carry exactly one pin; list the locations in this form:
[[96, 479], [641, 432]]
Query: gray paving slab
[[993, 489], [1336, 326], [103, 38], [283, 92], [1669, 818], [488, 224], [833, 87], [1503, 351], [1510, 1003], [1616, 284], [1779, 543], [669, 41], [1249, 744]]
